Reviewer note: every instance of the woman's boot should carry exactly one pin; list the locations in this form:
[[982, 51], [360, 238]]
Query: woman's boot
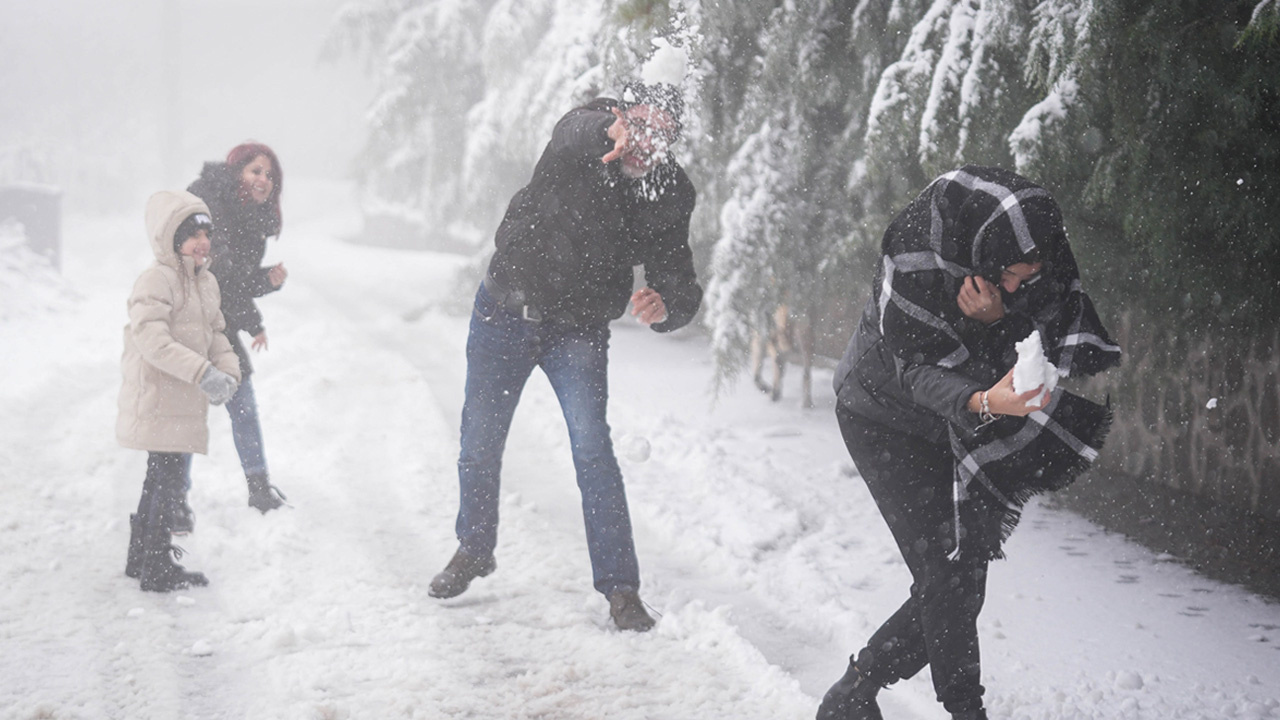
[[262, 494], [853, 697]]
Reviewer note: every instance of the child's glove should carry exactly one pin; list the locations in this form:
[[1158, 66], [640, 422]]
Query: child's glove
[[218, 385]]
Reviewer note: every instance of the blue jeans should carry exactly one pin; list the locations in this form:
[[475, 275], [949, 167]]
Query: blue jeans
[[502, 351], [246, 432]]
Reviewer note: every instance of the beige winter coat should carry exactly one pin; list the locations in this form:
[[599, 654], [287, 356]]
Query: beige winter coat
[[174, 334]]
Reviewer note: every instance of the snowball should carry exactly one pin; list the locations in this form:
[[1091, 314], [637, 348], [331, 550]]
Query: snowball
[[1033, 369], [283, 638], [1213, 403], [202, 648], [666, 65], [634, 448], [1128, 680]]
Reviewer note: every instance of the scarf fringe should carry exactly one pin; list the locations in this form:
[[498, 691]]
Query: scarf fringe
[[1008, 517]]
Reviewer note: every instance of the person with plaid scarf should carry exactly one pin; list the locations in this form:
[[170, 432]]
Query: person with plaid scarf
[[928, 411]]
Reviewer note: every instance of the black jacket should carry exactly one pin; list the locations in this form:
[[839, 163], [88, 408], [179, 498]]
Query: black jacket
[[570, 238], [239, 241], [919, 398]]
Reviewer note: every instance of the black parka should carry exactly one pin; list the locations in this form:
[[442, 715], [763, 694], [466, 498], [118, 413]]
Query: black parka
[[570, 238], [239, 242]]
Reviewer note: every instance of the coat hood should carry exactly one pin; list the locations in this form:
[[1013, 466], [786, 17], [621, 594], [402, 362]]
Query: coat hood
[[165, 212]]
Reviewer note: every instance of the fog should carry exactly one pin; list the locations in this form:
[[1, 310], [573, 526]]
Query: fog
[[110, 101]]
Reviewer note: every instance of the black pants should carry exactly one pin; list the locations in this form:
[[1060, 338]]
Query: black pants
[[164, 485], [911, 480]]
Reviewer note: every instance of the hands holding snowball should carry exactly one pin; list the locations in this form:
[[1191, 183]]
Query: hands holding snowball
[[1008, 396], [1002, 399]]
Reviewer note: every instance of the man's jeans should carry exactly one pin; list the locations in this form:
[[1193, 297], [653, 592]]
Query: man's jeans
[[246, 431], [502, 351]]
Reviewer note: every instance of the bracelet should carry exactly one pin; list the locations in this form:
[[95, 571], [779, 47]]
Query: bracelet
[[984, 412]]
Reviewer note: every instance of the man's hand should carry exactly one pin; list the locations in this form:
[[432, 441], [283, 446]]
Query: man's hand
[[260, 341], [647, 306], [618, 134], [980, 300], [277, 275]]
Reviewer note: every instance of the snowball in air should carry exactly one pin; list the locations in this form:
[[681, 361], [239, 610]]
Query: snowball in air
[[1033, 369], [666, 65], [1213, 403], [634, 448]]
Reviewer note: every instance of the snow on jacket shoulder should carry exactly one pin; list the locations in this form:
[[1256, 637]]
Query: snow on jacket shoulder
[[173, 336]]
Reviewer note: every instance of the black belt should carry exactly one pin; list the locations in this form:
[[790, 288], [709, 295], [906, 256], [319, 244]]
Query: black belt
[[511, 301]]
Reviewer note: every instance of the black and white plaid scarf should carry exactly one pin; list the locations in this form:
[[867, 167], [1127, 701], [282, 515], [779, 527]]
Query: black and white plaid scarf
[[979, 221]]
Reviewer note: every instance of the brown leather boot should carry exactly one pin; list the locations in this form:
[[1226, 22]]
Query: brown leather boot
[[627, 610], [458, 574]]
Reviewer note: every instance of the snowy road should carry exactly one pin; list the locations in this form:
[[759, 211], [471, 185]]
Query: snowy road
[[757, 542]]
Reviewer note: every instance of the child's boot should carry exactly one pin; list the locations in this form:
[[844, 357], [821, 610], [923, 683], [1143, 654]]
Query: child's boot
[[133, 565], [159, 572]]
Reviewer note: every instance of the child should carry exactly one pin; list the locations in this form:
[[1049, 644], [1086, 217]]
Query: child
[[176, 361]]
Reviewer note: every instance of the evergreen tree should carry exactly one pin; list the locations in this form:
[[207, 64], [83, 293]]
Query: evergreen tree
[[426, 58]]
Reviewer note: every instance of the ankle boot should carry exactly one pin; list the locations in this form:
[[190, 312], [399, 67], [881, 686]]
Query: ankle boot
[[162, 574], [158, 572], [133, 565], [853, 697], [263, 495], [627, 610], [456, 577]]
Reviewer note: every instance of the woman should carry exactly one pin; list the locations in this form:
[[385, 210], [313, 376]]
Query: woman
[[243, 195], [927, 409]]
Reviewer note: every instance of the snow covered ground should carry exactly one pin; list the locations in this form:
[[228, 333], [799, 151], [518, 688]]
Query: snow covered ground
[[758, 544]]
